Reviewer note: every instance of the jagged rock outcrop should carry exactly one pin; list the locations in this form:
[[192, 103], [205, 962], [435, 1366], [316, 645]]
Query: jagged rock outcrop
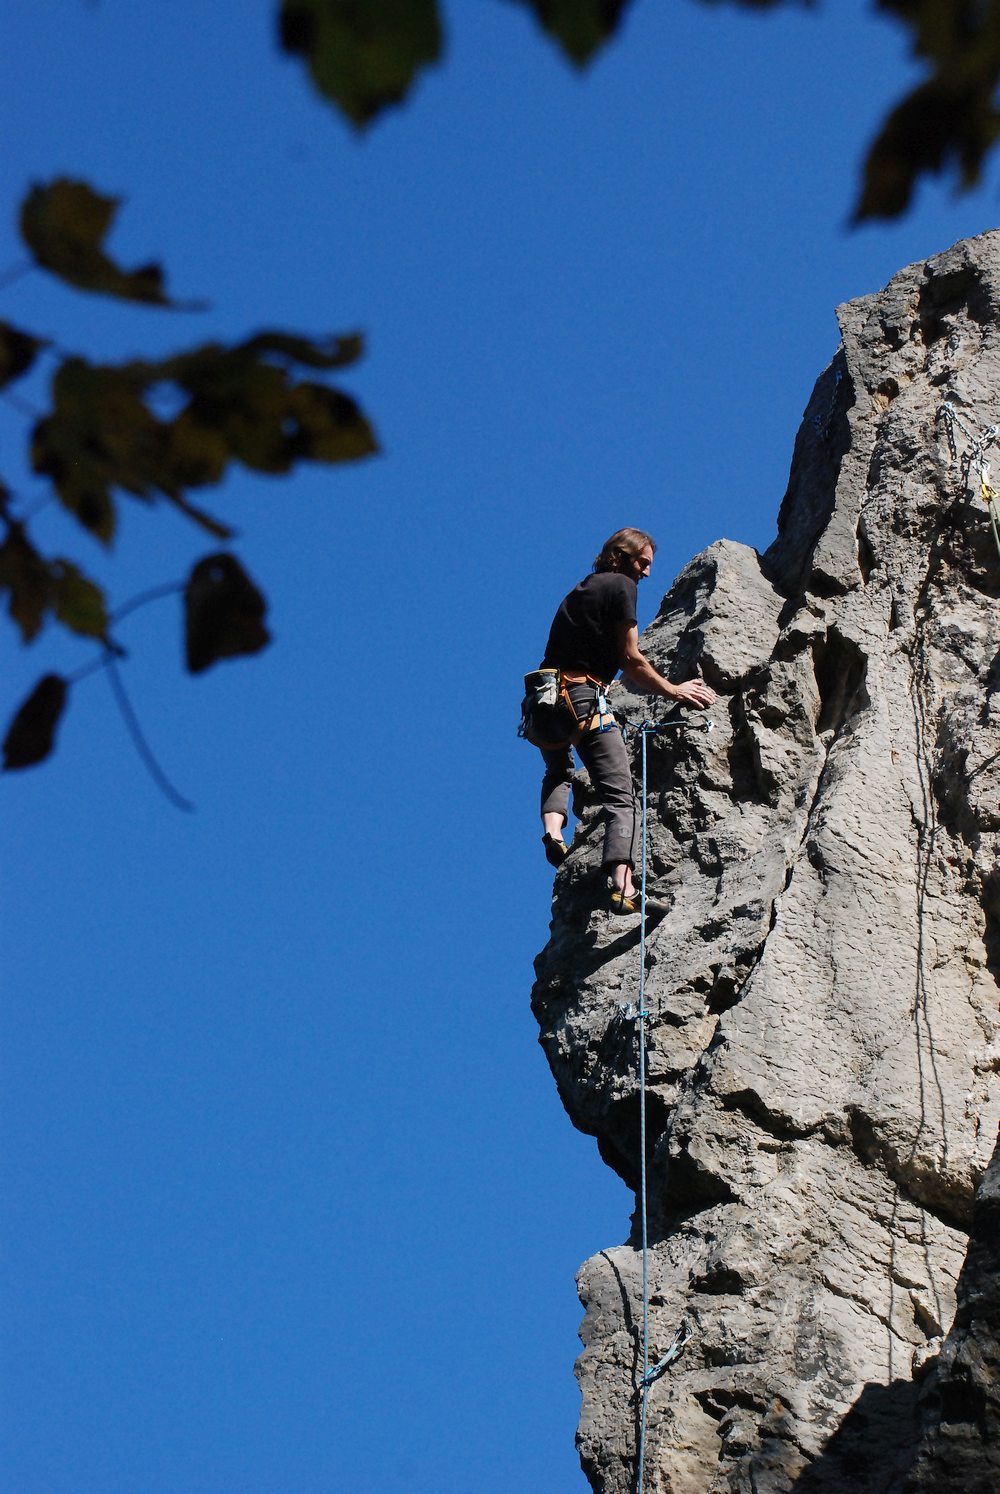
[[823, 1096]]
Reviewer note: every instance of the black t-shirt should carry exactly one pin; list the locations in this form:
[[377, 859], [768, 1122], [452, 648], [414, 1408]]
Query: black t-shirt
[[584, 633]]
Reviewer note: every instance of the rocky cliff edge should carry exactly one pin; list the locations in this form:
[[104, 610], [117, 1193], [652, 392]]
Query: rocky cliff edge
[[823, 1098]]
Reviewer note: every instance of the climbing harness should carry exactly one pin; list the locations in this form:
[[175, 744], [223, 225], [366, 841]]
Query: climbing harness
[[600, 718], [549, 719], [650, 1375], [974, 459]]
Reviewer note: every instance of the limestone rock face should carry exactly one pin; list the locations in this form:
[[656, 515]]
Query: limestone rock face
[[822, 1096]]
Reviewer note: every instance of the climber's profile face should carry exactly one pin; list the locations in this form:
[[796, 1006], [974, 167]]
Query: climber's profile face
[[637, 566]]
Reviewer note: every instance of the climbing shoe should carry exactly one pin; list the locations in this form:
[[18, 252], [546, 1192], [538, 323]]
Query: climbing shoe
[[631, 902], [556, 850], [623, 902]]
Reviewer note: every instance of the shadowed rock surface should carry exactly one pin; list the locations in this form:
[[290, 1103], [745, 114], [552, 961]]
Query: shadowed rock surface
[[960, 1450], [823, 1096]]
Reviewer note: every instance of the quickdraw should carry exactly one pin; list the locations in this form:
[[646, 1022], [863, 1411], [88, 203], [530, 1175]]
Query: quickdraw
[[990, 497]]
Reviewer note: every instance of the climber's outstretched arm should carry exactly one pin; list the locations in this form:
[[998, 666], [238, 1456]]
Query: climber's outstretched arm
[[636, 667]]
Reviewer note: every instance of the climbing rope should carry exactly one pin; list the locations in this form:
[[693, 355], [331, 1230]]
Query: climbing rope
[[644, 732], [974, 459], [650, 1375]]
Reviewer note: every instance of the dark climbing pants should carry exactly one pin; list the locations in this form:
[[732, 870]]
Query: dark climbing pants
[[604, 756]]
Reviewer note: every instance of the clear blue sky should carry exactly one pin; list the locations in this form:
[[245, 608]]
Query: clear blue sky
[[291, 1205]]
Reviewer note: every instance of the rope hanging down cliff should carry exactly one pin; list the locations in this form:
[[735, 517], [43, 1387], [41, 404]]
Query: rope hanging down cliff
[[650, 1374]]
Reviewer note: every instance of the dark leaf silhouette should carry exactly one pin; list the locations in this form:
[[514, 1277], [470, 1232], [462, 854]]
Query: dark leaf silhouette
[[17, 352], [337, 351], [223, 612], [64, 224], [235, 404], [244, 406], [31, 735], [24, 576], [99, 436], [948, 120], [78, 602], [581, 27], [362, 54], [36, 586]]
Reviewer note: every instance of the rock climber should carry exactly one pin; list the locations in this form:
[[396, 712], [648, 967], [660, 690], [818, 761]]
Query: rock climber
[[593, 635]]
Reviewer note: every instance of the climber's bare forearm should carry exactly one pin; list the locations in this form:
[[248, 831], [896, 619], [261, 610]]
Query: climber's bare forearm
[[637, 668]]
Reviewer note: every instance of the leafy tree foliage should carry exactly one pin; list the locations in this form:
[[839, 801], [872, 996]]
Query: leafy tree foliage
[[364, 56], [949, 120], [264, 403]]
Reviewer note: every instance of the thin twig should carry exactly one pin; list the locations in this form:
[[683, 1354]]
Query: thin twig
[[86, 670], [108, 660], [139, 741], [154, 594]]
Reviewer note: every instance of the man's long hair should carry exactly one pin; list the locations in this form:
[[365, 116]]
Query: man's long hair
[[622, 543]]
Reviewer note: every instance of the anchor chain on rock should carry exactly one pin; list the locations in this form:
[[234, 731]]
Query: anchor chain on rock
[[974, 459]]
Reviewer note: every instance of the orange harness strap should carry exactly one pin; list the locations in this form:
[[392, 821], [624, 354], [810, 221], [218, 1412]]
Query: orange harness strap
[[595, 721]]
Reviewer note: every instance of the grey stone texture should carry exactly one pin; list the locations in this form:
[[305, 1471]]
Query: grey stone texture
[[822, 1044]]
